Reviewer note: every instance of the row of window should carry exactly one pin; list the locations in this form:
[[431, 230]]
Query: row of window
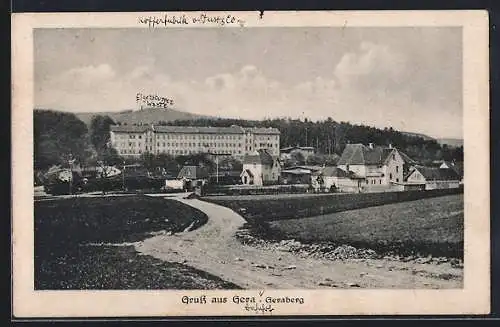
[[173, 152], [182, 144], [374, 181], [195, 137]]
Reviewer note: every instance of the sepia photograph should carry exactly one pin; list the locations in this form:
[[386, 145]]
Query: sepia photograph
[[204, 153]]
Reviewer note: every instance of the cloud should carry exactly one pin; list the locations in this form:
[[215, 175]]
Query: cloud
[[371, 85], [375, 68]]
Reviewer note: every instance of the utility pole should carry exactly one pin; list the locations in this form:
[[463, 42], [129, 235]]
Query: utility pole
[[70, 165], [217, 168], [123, 175]]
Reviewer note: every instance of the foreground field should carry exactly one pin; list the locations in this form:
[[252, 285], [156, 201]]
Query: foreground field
[[258, 208], [426, 227], [216, 249], [71, 250]]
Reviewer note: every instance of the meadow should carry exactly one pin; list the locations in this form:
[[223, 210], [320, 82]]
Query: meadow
[[433, 226], [77, 244]]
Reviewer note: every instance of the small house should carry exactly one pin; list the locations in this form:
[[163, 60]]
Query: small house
[[431, 178], [296, 175], [260, 168], [193, 176], [332, 178], [457, 167]]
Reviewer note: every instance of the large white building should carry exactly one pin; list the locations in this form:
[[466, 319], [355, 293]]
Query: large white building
[[183, 140]]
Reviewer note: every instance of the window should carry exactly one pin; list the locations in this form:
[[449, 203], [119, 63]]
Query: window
[[390, 176], [397, 169], [380, 181], [397, 180], [393, 157], [366, 181]]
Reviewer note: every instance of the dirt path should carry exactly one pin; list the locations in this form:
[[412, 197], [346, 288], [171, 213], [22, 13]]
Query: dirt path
[[214, 249]]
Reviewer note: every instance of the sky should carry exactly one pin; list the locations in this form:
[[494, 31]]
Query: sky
[[402, 77]]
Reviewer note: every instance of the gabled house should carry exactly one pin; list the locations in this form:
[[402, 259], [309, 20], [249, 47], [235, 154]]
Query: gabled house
[[332, 178], [380, 168], [193, 176], [260, 168], [430, 178], [457, 167]]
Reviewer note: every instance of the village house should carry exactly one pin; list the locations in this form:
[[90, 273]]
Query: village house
[[260, 168], [377, 168], [457, 167], [335, 179], [431, 178], [193, 176]]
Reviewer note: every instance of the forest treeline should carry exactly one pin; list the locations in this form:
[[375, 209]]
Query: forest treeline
[[61, 136]]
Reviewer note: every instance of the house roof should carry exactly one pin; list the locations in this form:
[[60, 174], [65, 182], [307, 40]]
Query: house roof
[[309, 167], [261, 157], [458, 167], [297, 171], [332, 171], [292, 148], [359, 154], [437, 174], [248, 172], [193, 172]]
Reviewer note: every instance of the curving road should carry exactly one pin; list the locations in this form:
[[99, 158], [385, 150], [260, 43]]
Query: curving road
[[213, 248]]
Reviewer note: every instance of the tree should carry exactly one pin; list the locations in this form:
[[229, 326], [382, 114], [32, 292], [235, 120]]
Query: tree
[[230, 164], [297, 158], [99, 132], [57, 135]]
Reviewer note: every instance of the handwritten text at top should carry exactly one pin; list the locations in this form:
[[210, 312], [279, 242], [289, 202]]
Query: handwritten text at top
[[169, 19]]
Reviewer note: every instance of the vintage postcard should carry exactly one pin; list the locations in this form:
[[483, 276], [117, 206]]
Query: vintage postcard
[[250, 163]]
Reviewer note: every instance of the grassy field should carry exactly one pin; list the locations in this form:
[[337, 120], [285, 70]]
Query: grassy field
[[428, 226], [65, 228], [258, 208]]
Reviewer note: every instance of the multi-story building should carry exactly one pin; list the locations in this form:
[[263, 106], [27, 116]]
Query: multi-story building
[[183, 140]]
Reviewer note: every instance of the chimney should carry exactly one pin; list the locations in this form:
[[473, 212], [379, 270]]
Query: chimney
[[390, 145], [370, 145]]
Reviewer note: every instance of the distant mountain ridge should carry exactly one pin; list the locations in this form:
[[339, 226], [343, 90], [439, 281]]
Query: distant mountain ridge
[[144, 116], [451, 142]]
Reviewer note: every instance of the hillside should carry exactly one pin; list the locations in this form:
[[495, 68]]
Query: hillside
[[145, 116], [451, 142], [425, 137]]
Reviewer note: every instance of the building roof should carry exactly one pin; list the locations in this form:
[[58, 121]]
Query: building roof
[[262, 130], [359, 154], [309, 167], [297, 171], [437, 174], [193, 172], [261, 157], [292, 148], [249, 173], [332, 171], [129, 128], [458, 167], [179, 129]]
